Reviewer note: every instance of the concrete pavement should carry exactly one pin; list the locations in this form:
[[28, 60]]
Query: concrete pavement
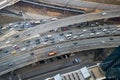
[[5, 3], [81, 4], [76, 35], [69, 21], [68, 47]]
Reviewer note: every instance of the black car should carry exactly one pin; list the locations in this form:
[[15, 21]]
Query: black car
[[43, 61], [37, 41], [59, 57]]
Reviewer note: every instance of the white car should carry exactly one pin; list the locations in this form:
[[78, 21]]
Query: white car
[[61, 39], [97, 33], [91, 33], [103, 42], [104, 13], [104, 29], [53, 19], [81, 35], [118, 29], [84, 30], [23, 49], [7, 42]]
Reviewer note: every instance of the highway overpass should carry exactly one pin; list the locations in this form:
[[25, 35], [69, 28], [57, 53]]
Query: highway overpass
[[78, 4], [54, 25], [5, 3], [20, 61]]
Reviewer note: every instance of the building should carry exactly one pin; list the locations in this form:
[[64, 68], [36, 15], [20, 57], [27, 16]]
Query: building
[[85, 73]]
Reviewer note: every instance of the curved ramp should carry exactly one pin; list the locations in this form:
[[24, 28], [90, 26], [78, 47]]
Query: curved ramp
[[69, 21]]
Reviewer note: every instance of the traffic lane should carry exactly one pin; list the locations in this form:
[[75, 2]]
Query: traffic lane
[[80, 42], [81, 4], [84, 45], [61, 71], [70, 21], [6, 3], [85, 35], [12, 61], [43, 68]]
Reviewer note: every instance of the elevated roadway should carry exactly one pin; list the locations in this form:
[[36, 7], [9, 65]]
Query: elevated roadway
[[5, 3], [68, 47], [79, 34], [79, 4], [54, 25]]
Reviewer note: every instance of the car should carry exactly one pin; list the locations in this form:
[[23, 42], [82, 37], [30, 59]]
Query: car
[[53, 19], [10, 64], [23, 49], [16, 47], [76, 60], [61, 34], [52, 53], [84, 30], [104, 30], [51, 59], [45, 40], [92, 33], [52, 41], [16, 36], [49, 36], [45, 43], [59, 57], [66, 56], [68, 35], [75, 43], [103, 42], [58, 46], [37, 41], [43, 61], [7, 42], [63, 28], [97, 33], [104, 13], [111, 38], [6, 51], [13, 52], [32, 54], [81, 35], [27, 34], [99, 28], [1, 50], [118, 29], [51, 30], [61, 39], [28, 41]]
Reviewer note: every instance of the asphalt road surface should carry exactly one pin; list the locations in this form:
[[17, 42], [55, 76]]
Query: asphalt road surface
[[5, 3], [69, 21], [68, 47], [108, 30], [81, 4]]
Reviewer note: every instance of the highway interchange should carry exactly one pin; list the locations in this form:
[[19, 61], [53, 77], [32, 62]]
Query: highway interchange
[[30, 46], [75, 4], [70, 21], [5, 3], [61, 43]]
